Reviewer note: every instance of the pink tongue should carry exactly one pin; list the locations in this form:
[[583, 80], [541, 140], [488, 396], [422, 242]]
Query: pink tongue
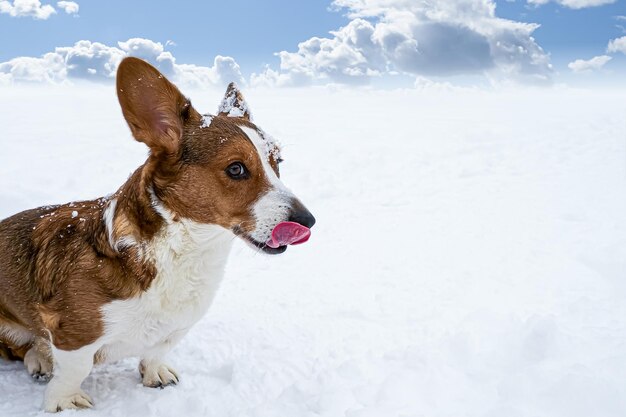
[[288, 233]]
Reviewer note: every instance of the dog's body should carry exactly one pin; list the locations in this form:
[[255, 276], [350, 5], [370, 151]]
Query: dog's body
[[129, 274]]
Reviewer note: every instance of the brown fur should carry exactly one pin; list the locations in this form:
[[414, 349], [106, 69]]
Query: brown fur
[[12, 352], [57, 270]]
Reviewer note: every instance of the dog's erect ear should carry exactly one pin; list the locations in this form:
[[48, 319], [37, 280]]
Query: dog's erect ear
[[153, 107], [233, 104]]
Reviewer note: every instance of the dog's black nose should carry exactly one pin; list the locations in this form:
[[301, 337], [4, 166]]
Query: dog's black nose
[[303, 217]]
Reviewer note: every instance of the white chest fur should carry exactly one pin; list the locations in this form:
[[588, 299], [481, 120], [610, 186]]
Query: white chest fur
[[190, 260]]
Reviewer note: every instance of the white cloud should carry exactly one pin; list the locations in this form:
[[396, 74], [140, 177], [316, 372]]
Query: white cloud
[[593, 64], [416, 37], [617, 45], [95, 61], [27, 8], [224, 70], [70, 7], [49, 68], [573, 4], [272, 78]]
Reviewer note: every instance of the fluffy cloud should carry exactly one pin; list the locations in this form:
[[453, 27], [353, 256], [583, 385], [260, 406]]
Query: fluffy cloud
[[593, 64], [27, 8], [573, 4], [69, 7], [415, 37], [95, 61], [617, 45], [49, 68]]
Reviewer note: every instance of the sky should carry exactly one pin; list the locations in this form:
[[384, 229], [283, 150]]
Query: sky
[[283, 43]]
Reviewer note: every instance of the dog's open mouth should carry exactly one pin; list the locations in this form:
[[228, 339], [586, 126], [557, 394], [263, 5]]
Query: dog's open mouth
[[258, 245], [264, 247], [283, 235]]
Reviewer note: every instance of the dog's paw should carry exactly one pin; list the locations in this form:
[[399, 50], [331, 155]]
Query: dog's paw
[[75, 401], [157, 375], [38, 364]]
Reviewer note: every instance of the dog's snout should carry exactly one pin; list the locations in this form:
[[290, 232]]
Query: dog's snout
[[300, 215]]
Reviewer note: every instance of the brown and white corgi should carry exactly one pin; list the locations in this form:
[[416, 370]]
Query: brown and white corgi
[[129, 274]]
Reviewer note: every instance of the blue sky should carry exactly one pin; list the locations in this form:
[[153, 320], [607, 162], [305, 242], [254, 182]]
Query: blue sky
[[567, 33], [251, 32]]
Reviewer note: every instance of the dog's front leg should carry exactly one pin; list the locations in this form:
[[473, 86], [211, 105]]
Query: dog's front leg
[[71, 367], [38, 359], [154, 373]]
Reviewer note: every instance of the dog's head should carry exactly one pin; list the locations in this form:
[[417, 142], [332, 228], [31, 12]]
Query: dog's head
[[220, 170]]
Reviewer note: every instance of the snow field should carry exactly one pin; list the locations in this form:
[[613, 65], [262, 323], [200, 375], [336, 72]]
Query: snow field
[[469, 256]]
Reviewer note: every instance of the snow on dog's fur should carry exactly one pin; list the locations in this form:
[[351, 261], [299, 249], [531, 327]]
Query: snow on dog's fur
[[129, 274]]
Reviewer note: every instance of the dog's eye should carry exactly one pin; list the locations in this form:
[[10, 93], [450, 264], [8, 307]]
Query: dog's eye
[[237, 171]]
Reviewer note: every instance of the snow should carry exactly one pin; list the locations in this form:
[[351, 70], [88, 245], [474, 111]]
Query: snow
[[206, 120], [469, 256], [271, 145], [233, 107]]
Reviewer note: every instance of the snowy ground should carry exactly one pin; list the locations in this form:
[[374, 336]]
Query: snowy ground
[[469, 257]]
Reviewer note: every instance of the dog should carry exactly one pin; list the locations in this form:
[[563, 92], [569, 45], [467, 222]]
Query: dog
[[127, 275]]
